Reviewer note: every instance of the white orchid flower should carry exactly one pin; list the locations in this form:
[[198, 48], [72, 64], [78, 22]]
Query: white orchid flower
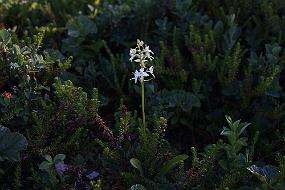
[[141, 54], [147, 52], [141, 75], [137, 75], [132, 54]]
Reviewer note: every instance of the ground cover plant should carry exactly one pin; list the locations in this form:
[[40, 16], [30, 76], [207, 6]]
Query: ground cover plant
[[150, 94]]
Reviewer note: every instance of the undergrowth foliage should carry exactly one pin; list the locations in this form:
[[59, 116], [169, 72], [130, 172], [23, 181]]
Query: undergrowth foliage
[[71, 118]]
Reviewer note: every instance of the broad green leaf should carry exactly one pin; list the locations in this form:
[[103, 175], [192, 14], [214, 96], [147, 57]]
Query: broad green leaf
[[235, 125], [48, 158], [11, 144], [5, 37], [137, 164], [89, 25], [81, 26], [45, 165], [169, 165], [59, 158]]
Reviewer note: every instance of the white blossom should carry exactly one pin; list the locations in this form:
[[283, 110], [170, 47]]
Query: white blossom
[[132, 54], [147, 52], [142, 54], [142, 74], [150, 70], [137, 75]]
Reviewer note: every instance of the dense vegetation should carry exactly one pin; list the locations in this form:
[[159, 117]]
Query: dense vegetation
[[71, 117]]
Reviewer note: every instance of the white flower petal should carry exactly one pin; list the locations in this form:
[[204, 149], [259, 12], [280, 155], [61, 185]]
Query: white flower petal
[[144, 74], [150, 70], [140, 43], [147, 50], [132, 52]]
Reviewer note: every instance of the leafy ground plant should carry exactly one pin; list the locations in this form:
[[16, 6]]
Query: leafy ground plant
[[11, 144]]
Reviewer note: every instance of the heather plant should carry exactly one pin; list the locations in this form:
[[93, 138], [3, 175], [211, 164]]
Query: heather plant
[[27, 73], [67, 124]]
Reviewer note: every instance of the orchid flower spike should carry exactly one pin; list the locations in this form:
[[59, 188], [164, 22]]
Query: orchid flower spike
[[142, 54]]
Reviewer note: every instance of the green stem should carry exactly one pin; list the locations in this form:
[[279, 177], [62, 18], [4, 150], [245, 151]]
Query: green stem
[[143, 113]]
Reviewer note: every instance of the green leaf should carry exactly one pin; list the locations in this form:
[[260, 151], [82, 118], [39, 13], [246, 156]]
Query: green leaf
[[137, 164], [229, 119], [48, 158], [242, 127], [226, 132], [81, 26], [11, 144], [219, 28], [59, 158], [5, 37], [169, 165], [45, 166], [235, 125]]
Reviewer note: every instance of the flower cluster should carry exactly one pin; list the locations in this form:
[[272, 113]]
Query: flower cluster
[[142, 54]]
